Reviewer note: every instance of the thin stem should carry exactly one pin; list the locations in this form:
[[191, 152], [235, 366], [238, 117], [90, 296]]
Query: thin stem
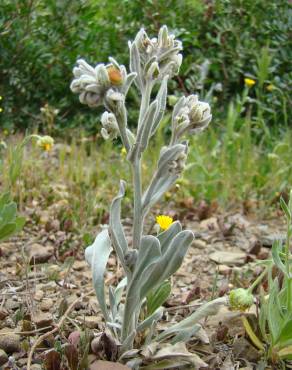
[[258, 280], [138, 218]]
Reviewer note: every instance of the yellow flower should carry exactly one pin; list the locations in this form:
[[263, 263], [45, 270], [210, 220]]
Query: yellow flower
[[249, 82], [46, 143], [1, 110], [0, 97], [270, 87], [164, 221], [123, 151]]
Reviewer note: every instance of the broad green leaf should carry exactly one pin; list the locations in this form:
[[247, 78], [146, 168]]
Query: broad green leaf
[[157, 296], [4, 199], [8, 212], [7, 230], [285, 336], [19, 222], [97, 256]]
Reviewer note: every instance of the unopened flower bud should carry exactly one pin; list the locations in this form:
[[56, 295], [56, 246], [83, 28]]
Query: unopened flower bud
[[110, 127], [240, 299], [115, 75], [153, 71]]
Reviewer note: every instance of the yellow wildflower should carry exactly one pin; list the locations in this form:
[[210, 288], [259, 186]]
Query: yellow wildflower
[[0, 97], [164, 221], [1, 110], [270, 87], [123, 151], [46, 143], [249, 82]]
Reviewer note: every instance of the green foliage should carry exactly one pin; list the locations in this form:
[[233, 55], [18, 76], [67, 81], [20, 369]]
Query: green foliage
[[10, 223], [40, 41], [157, 297], [275, 315]]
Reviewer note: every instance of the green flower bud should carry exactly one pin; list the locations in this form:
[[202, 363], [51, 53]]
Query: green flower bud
[[240, 299]]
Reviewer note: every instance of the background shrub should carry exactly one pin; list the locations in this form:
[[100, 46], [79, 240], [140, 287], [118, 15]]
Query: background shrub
[[224, 41]]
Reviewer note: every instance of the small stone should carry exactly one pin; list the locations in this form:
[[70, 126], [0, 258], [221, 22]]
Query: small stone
[[228, 258], [46, 304], [39, 294], [80, 265], [3, 357], [209, 224], [200, 244], [91, 322], [39, 253], [11, 304], [268, 240], [224, 270], [43, 319], [36, 367], [9, 343]]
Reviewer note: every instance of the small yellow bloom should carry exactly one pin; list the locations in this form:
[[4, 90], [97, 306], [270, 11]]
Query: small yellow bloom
[[123, 151], [46, 143], [270, 87], [1, 110], [164, 221], [249, 82], [0, 97]]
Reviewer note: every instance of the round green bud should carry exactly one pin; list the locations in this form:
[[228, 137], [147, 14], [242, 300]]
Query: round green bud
[[240, 299]]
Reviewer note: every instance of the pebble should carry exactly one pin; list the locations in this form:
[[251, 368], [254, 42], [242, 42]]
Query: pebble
[[228, 258], [46, 304], [39, 294], [9, 343], [43, 319], [200, 244], [90, 322], [39, 253]]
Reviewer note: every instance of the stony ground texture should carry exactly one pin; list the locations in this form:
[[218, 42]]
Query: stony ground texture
[[42, 271]]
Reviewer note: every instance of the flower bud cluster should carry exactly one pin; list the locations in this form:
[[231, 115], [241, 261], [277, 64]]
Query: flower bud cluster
[[190, 115], [158, 56], [92, 84], [110, 127]]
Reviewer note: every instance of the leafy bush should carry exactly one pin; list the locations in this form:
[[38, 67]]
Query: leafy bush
[[40, 40]]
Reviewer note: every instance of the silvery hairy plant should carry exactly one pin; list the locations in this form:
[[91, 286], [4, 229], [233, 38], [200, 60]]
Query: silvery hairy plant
[[150, 260]]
